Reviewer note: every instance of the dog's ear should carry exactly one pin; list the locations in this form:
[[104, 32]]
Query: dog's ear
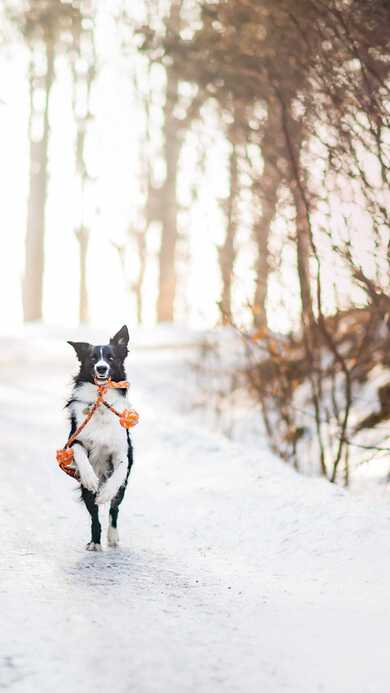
[[121, 338], [81, 349]]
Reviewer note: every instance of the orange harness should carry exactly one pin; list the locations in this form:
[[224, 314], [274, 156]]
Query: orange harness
[[127, 419]]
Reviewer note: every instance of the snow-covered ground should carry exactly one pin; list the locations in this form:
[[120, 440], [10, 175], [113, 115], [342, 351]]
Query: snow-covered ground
[[234, 574]]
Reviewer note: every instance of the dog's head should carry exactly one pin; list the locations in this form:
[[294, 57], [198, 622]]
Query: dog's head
[[99, 363]]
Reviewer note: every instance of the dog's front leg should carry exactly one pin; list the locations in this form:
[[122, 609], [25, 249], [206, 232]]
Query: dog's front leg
[[88, 477], [111, 487]]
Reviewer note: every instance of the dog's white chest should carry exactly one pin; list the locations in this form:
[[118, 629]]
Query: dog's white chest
[[103, 428]]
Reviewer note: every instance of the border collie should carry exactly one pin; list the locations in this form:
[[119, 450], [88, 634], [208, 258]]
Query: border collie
[[102, 452]]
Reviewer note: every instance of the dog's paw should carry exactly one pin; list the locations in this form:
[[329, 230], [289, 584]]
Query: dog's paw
[[112, 536], [93, 547], [89, 479]]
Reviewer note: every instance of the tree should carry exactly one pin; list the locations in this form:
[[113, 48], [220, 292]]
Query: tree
[[227, 251], [40, 35], [178, 114], [318, 74], [42, 24], [83, 62]]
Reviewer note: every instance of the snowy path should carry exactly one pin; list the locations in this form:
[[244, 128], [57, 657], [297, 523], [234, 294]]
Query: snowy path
[[234, 574]]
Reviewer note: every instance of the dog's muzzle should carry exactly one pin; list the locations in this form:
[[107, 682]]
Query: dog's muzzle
[[102, 372]]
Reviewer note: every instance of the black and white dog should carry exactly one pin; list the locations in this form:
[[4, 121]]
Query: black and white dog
[[102, 452]]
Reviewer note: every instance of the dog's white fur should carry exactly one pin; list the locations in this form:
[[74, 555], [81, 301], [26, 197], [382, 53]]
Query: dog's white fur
[[93, 547], [101, 438], [112, 536], [87, 475]]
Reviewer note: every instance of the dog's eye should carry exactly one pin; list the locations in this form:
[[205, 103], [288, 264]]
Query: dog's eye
[[110, 358]]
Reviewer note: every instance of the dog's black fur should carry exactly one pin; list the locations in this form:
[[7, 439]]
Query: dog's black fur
[[112, 355]]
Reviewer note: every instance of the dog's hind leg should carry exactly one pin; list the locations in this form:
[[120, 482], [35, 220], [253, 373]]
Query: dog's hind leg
[[112, 533], [93, 509]]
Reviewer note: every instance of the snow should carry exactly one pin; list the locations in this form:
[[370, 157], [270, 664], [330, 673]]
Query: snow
[[234, 574]]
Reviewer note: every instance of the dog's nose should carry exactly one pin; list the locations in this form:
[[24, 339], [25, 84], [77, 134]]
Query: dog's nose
[[101, 370]]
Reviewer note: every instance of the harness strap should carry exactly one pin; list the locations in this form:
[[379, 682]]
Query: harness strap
[[78, 430]]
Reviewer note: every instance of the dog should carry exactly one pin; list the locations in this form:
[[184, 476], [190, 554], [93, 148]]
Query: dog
[[102, 451]]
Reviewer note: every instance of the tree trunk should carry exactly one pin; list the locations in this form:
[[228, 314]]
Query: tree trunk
[[303, 255], [84, 44], [265, 194], [168, 208], [293, 134], [83, 239], [35, 237], [138, 284], [261, 231], [227, 252]]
